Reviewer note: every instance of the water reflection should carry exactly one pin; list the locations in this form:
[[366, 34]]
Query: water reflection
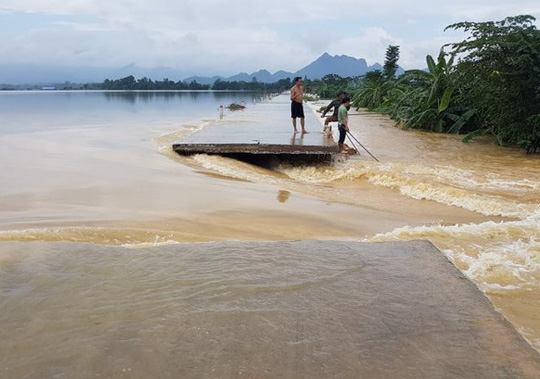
[[148, 96], [29, 111], [297, 139], [283, 196]]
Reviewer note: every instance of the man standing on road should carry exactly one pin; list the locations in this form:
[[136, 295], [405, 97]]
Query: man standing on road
[[343, 123], [297, 109]]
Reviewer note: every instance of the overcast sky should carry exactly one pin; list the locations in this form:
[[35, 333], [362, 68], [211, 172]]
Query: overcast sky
[[225, 37]]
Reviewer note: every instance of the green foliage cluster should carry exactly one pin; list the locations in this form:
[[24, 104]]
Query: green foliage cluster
[[493, 88], [500, 76], [330, 85], [373, 91]]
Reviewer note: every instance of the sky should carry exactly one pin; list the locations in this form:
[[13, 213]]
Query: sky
[[226, 37]]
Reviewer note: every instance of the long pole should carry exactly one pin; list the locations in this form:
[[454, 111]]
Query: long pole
[[350, 134], [352, 143]]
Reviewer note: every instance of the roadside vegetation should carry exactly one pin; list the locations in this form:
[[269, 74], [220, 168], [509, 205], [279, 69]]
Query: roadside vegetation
[[487, 84]]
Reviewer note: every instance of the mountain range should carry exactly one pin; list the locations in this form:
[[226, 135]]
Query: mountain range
[[342, 65]]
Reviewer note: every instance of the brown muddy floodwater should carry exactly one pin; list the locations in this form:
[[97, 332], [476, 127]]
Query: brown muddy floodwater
[[84, 209]]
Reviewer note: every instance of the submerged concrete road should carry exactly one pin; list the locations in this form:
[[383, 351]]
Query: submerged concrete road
[[399, 310], [260, 129], [270, 310]]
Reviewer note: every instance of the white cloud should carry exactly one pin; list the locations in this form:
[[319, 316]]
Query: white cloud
[[232, 35], [369, 43]]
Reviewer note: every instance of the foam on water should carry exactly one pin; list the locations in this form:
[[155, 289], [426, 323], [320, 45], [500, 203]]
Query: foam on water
[[516, 264], [237, 169], [166, 140], [156, 243], [110, 236], [446, 185]]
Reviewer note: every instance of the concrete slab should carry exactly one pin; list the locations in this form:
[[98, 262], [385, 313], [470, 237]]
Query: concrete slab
[[303, 309], [270, 133], [402, 310]]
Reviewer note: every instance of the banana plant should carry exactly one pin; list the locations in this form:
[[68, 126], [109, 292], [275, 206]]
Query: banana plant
[[429, 98]]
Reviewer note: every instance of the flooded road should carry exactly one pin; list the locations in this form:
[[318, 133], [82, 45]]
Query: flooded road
[[78, 190]]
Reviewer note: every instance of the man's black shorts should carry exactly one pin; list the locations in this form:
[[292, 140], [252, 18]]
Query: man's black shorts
[[297, 110], [342, 133]]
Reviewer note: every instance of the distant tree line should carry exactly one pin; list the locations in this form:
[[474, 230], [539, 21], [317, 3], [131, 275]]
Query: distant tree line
[[254, 85], [325, 87], [129, 83]]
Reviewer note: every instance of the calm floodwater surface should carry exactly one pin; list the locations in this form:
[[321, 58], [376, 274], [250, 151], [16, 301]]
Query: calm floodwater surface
[[95, 169]]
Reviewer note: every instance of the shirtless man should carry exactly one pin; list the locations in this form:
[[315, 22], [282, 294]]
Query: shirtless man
[[297, 109]]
